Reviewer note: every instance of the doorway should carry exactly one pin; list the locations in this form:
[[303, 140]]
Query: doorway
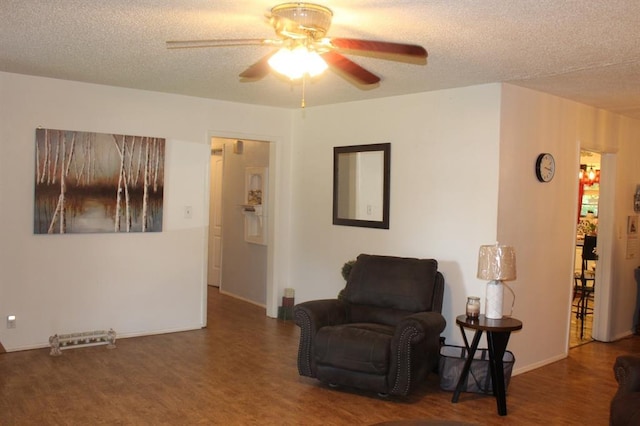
[[238, 261], [586, 252], [214, 264]]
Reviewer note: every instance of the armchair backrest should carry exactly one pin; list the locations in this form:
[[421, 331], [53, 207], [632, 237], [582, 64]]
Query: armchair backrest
[[384, 289]]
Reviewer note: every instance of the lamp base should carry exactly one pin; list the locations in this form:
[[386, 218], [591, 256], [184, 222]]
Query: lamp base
[[495, 296]]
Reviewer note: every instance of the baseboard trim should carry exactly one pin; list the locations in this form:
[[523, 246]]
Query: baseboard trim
[[235, 296], [542, 363]]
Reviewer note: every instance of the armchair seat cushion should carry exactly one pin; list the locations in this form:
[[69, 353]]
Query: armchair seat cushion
[[362, 347]]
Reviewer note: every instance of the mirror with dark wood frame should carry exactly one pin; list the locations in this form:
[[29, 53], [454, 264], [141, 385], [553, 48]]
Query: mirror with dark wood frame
[[361, 175]]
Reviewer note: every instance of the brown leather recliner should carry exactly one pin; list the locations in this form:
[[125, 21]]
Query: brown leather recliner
[[625, 405], [384, 335]]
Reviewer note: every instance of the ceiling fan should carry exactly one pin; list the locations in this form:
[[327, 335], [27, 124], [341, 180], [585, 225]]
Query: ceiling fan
[[303, 50]]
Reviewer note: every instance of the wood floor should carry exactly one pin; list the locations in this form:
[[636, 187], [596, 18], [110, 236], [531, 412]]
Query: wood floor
[[241, 370]]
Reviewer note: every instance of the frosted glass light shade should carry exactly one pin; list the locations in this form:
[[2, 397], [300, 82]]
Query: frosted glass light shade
[[300, 18], [497, 262], [295, 63]]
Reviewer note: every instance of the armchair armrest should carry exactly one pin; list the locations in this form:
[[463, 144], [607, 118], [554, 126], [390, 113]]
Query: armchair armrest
[[320, 313], [416, 335], [310, 317], [424, 324], [627, 372]]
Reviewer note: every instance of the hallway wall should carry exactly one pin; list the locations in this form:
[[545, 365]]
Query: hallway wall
[[244, 264]]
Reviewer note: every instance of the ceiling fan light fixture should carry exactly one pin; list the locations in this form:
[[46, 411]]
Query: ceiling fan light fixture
[[306, 19], [305, 51], [297, 62]]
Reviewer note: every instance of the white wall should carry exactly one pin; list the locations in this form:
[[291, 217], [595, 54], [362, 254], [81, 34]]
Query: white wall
[[624, 287], [444, 182], [539, 218], [136, 283]]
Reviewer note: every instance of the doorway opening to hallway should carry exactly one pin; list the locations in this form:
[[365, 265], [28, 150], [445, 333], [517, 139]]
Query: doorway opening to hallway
[[586, 249], [238, 218]]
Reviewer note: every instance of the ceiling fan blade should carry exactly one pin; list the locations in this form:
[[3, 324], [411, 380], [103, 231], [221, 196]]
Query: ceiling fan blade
[[350, 68], [190, 44], [380, 47], [258, 70]]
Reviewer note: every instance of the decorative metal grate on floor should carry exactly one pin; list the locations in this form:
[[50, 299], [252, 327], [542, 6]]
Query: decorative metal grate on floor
[[78, 340]]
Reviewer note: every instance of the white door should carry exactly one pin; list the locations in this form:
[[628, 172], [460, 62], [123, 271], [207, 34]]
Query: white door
[[215, 218]]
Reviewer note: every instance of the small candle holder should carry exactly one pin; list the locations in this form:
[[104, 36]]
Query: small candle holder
[[473, 307]]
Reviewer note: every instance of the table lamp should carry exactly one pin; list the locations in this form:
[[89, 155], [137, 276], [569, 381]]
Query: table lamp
[[496, 263]]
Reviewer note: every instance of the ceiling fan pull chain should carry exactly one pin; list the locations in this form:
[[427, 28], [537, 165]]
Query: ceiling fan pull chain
[[304, 79]]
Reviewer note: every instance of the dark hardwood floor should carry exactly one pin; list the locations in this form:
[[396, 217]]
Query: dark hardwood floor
[[241, 370]]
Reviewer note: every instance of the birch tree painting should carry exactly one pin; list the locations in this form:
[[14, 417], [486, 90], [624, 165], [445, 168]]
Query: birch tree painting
[[96, 182]]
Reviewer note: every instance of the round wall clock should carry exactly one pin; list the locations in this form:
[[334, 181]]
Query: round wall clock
[[545, 167]]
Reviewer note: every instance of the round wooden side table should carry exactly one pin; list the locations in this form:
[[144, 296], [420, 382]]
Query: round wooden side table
[[498, 332]]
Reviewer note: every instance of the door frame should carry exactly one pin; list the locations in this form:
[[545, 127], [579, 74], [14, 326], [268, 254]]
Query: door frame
[[601, 328], [606, 233], [219, 157], [273, 267]]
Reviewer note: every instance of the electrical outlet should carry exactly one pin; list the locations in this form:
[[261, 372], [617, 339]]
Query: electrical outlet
[[11, 321], [188, 212]]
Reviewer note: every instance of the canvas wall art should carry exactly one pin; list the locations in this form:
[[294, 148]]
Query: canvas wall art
[[96, 182]]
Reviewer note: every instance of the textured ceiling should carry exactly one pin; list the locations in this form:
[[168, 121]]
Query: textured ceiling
[[585, 50]]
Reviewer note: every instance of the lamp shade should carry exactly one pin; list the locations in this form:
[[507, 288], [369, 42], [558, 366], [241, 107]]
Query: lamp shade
[[497, 262]]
